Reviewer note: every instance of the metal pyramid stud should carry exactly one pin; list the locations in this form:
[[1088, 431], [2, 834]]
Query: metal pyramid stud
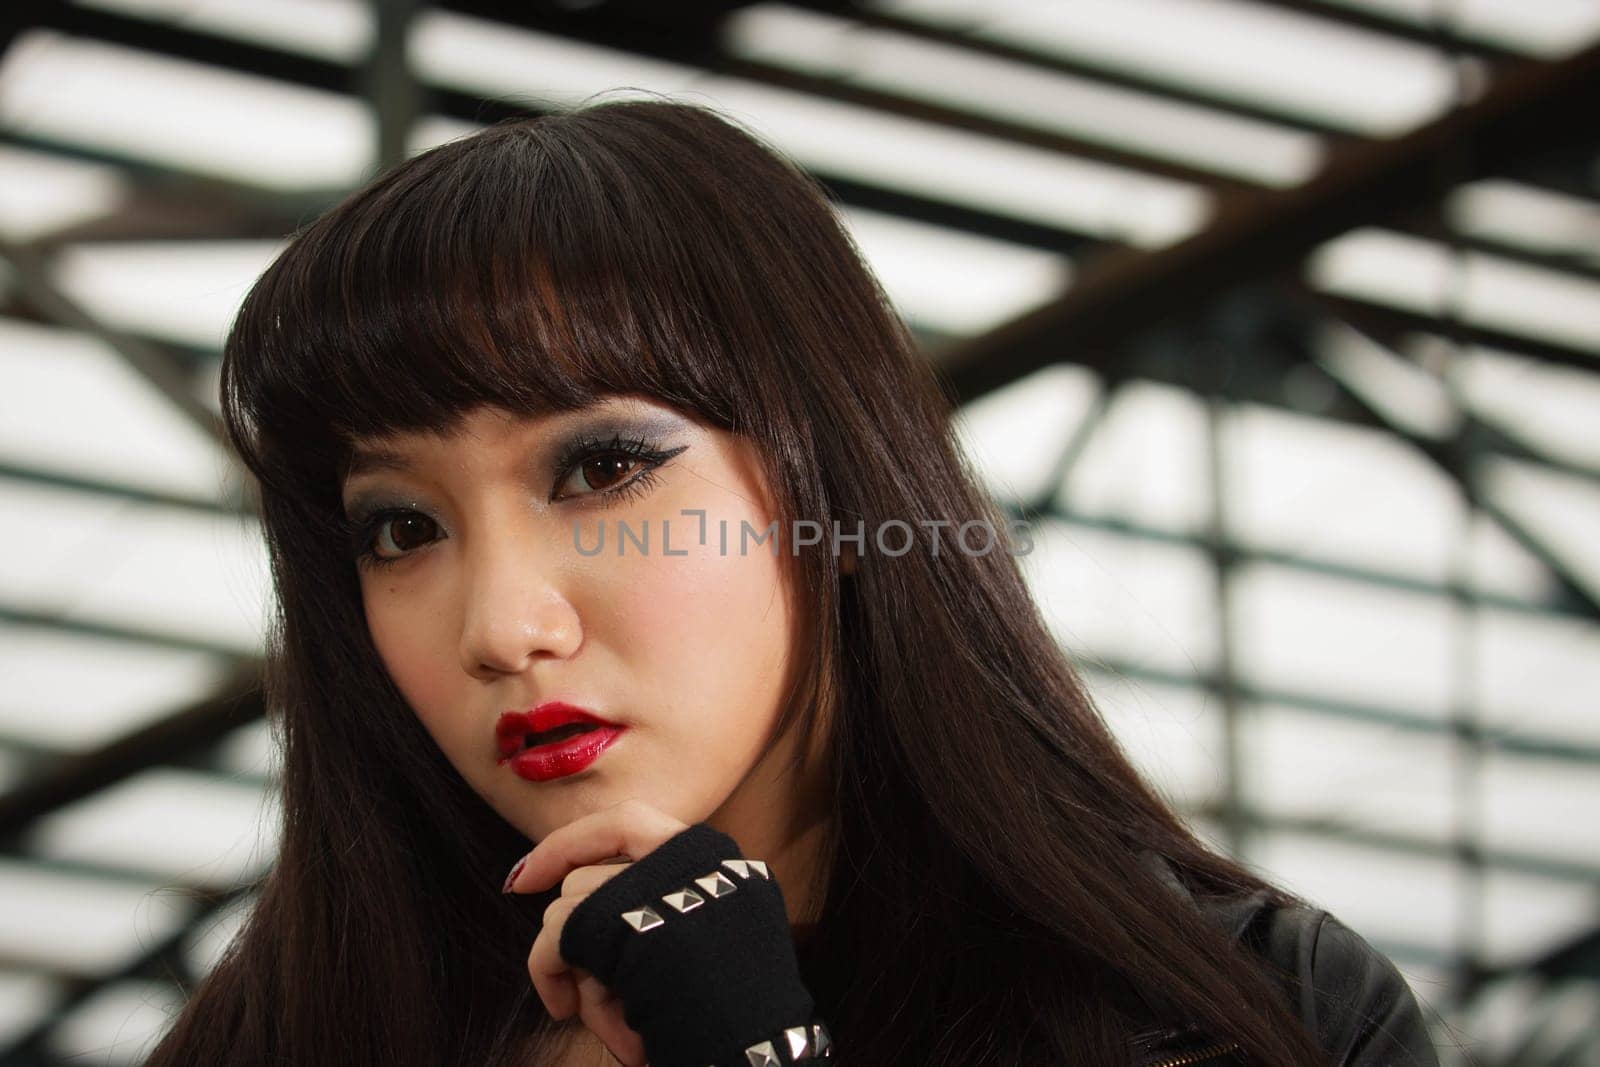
[[798, 1038], [642, 919], [821, 1043], [737, 867], [716, 884], [759, 867], [685, 899], [762, 1055]]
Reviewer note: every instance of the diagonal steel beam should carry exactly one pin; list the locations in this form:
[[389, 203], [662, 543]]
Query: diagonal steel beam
[[1269, 233], [236, 703], [170, 379]]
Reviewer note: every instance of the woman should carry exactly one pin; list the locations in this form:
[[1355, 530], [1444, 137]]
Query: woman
[[511, 407]]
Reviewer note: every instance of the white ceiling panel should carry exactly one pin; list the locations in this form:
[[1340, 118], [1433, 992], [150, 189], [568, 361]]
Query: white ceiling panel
[[1295, 64], [1108, 595], [186, 826], [1552, 409], [26, 998], [1415, 274], [1544, 806], [1526, 216], [76, 692], [203, 948], [178, 113], [1410, 396], [856, 142], [73, 406], [1394, 900], [1561, 510], [1538, 675], [337, 30], [1015, 435], [1081, 195], [40, 192], [1172, 734], [250, 752], [1548, 28], [1355, 774], [156, 570], [119, 1024], [84, 923], [1341, 493], [1300, 632], [1205, 138], [1146, 461], [1526, 916], [183, 291], [952, 282]]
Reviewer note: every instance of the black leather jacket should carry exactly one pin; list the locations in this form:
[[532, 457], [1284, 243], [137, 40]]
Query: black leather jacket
[[1348, 993]]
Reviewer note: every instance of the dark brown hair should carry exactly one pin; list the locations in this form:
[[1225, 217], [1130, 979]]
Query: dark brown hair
[[983, 900]]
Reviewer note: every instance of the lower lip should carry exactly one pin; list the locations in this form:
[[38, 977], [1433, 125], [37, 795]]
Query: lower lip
[[557, 760]]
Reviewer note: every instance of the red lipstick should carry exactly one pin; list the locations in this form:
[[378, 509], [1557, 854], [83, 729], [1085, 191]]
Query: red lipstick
[[568, 751]]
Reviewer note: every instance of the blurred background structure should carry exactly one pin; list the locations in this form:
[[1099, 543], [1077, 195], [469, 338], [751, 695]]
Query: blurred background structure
[[1279, 319]]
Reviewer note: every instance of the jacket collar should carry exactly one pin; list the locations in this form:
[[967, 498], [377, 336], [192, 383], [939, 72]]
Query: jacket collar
[[1233, 913]]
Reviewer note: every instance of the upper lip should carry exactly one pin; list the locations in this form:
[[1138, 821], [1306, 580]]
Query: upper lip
[[514, 726]]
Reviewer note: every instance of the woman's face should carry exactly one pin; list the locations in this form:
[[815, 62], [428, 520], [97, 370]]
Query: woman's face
[[480, 602]]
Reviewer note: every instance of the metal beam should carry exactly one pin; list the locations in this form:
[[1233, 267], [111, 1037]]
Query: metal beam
[[1088, 67], [1258, 236], [236, 703], [169, 379]]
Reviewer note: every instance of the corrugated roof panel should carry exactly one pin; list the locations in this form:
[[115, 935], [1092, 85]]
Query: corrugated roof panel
[[1105, 595], [1145, 461], [182, 291], [45, 192], [1415, 274], [189, 827], [117, 685], [119, 1024], [338, 30], [72, 406], [1293, 63], [182, 114], [1351, 773], [841, 48], [951, 282], [1015, 436], [1305, 633], [162, 571], [84, 923]]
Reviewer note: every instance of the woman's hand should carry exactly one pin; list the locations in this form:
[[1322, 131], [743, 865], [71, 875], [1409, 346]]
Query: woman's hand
[[583, 854]]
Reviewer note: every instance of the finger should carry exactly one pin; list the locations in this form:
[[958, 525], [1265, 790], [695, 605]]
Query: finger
[[552, 977], [602, 1013], [585, 880], [630, 828]]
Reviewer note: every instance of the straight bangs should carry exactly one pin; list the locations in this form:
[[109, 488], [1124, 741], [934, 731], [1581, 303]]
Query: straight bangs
[[504, 268]]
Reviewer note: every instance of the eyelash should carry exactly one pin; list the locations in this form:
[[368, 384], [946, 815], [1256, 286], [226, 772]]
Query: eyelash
[[362, 530]]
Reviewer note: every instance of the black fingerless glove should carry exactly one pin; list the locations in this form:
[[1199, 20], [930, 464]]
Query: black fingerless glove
[[695, 941]]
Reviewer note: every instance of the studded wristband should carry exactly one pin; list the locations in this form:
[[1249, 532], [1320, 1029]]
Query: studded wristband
[[694, 939]]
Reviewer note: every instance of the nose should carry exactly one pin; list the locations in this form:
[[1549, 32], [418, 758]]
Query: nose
[[515, 611]]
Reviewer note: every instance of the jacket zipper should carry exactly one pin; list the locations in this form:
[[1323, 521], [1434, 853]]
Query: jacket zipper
[[1196, 1055]]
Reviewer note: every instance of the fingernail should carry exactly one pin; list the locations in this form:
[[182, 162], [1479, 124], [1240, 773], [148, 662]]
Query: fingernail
[[512, 877]]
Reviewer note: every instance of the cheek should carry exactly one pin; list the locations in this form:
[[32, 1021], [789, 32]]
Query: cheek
[[707, 633], [415, 649]]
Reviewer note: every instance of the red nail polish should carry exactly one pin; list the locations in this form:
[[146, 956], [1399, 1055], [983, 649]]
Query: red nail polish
[[512, 877]]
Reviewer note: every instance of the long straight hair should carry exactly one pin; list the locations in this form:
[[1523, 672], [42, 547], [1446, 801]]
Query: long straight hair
[[983, 898]]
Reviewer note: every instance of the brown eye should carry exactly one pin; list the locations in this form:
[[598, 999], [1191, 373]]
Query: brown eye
[[603, 471], [405, 532]]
